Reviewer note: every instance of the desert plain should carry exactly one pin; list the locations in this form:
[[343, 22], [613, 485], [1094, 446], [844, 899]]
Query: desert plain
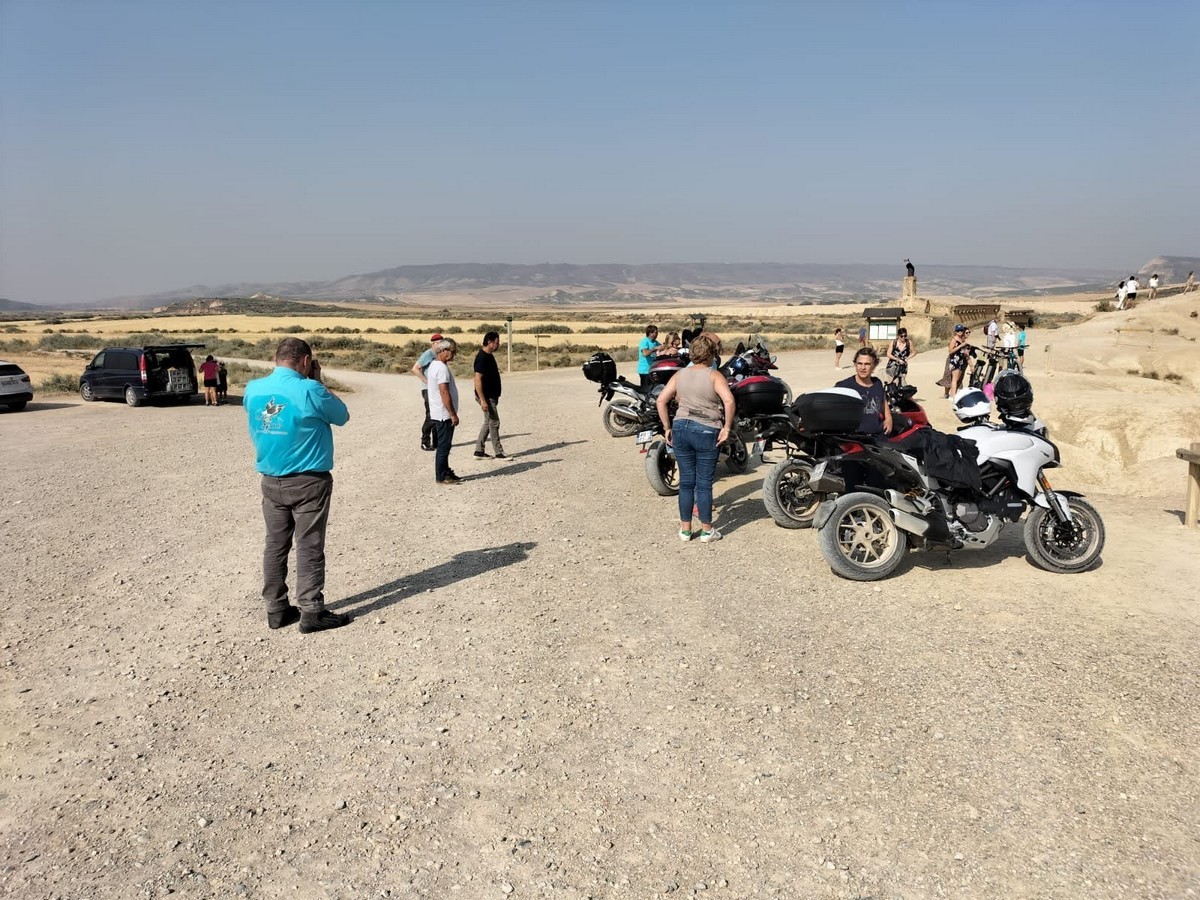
[[545, 694]]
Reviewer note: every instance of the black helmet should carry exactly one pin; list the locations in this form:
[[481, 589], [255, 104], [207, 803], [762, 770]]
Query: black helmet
[[1014, 395]]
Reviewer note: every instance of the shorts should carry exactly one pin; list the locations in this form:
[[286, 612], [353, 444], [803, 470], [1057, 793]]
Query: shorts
[[210, 382]]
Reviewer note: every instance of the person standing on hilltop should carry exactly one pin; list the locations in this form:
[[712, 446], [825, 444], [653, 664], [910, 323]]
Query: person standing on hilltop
[[487, 395], [910, 269], [290, 413], [1190, 284], [1121, 293], [420, 367], [1153, 286], [1131, 289], [702, 423], [647, 352], [992, 332], [443, 407]]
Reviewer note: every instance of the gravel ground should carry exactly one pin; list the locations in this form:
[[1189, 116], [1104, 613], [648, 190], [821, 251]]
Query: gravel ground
[[545, 694]]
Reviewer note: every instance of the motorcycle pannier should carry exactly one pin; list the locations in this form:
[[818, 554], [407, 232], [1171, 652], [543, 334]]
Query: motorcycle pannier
[[759, 395], [835, 409], [662, 370], [600, 369]]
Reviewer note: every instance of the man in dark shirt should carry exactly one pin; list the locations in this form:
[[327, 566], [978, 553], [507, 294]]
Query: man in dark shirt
[[487, 394]]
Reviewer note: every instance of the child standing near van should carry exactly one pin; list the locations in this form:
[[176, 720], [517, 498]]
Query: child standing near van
[[208, 372]]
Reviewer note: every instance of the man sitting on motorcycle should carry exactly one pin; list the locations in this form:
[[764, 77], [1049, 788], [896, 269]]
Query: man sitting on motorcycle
[[877, 415]]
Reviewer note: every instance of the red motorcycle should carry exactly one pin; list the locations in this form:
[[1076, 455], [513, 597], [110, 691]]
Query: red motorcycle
[[789, 499]]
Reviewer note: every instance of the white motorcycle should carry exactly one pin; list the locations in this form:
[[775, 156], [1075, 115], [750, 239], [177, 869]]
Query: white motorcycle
[[930, 492]]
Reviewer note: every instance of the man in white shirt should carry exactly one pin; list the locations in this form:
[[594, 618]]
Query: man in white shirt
[[1131, 288], [443, 408], [992, 331]]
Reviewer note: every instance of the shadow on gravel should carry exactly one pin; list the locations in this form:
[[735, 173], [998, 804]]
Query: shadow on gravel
[[463, 566], [736, 507], [35, 406], [471, 443], [514, 469], [546, 448]]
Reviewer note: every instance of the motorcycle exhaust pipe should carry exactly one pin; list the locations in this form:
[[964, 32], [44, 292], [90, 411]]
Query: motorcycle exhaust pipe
[[910, 523]]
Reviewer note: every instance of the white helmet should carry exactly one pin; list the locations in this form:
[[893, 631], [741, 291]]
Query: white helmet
[[970, 404]]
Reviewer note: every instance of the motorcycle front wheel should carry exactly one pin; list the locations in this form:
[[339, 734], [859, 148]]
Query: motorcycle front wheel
[[1065, 547], [661, 470], [860, 541], [786, 494], [620, 419]]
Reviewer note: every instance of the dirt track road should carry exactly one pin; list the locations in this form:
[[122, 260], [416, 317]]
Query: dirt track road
[[546, 694]]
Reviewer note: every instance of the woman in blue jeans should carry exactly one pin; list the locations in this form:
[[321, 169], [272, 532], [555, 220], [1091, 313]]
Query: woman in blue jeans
[[702, 423]]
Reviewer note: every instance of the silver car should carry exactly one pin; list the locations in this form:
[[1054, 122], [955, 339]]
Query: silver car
[[15, 388]]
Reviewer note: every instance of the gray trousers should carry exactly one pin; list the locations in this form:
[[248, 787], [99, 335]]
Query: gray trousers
[[490, 429], [295, 506]]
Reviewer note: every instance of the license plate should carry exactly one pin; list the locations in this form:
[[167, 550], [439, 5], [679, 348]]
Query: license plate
[[644, 437]]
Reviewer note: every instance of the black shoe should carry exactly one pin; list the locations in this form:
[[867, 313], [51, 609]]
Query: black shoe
[[322, 621], [479, 454], [500, 456], [428, 447], [450, 479], [289, 615]]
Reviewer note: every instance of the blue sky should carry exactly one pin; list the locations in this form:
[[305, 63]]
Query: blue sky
[[147, 146]]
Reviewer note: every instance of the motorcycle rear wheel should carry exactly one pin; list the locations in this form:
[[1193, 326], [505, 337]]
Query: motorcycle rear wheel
[[619, 425], [738, 460], [786, 494], [1065, 547], [661, 470], [860, 541]]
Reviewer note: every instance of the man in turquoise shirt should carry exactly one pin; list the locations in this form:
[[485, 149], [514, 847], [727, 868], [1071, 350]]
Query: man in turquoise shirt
[[290, 413], [647, 351]]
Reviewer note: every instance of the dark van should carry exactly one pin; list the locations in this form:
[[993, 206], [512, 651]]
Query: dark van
[[138, 374]]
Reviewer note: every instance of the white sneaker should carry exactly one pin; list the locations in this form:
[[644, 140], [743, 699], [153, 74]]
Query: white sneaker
[[685, 536], [707, 536]]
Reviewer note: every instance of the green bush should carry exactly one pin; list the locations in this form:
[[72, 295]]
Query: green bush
[[288, 329], [59, 383], [400, 329]]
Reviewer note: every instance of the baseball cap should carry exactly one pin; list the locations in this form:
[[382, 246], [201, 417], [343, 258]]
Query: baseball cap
[[960, 327], [435, 337]]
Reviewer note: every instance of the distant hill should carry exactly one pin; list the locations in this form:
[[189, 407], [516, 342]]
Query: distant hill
[[17, 306], [1170, 269], [558, 283]]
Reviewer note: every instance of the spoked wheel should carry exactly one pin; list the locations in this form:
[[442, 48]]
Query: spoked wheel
[[787, 496], [661, 469], [620, 419], [1065, 547], [738, 460], [85, 391], [132, 398], [860, 541]]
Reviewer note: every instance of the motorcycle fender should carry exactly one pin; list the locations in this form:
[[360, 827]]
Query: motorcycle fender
[[824, 511], [1051, 502], [908, 522], [822, 481]]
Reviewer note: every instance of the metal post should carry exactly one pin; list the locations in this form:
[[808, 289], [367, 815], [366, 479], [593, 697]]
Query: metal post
[[508, 325]]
